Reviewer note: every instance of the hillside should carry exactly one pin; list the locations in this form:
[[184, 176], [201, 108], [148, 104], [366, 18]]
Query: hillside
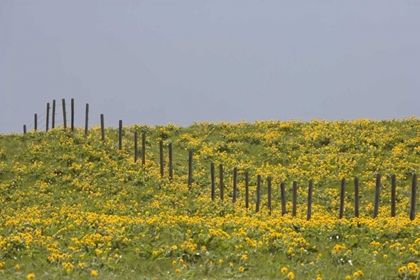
[[76, 207]]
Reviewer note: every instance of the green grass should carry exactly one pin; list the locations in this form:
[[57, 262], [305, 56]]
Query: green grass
[[73, 204]]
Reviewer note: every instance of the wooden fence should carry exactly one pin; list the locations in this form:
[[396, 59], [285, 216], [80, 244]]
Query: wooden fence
[[413, 196]]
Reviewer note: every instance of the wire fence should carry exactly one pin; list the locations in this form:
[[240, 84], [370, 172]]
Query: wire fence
[[55, 115], [59, 118]]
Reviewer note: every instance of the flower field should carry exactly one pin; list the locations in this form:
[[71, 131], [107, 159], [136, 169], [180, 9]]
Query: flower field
[[76, 207]]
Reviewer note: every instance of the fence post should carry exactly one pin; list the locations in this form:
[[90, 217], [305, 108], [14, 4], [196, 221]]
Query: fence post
[[294, 198], [135, 146], [161, 159], [35, 122], [221, 181], [212, 181], [190, 168], [143, 148], [24, 129], [246, 189], [269, 194], [283, 198], [72, 115], [171, 171], [64, 113], [342, 193], [257, 204], [102, 128], [53, 115], [48, 117], [356, 197], [393, 194], [235, 175], [413, 197], [120, 124], [87, 119], [377, 195], [309, 215]]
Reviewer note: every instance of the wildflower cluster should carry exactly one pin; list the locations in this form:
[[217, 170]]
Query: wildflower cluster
[[77, 207]]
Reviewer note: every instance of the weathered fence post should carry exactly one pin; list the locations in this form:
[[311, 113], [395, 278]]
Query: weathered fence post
[[35, 122], [413, 197], [53, 115], [135, 146], [393, 194], [377, 195], [283, 198], [120, 125], [87, 119], [269, 194], [235, 175], [102, 128], [24, 129], [143, 148], [213, 187], [171, 171], [356, 197], [72, 115], [246, 189], [257, 204], [64, 113], [48, 117], [294, 198], [190, 168], [221, 182], [342, 193], [309, 215], [161, 158]]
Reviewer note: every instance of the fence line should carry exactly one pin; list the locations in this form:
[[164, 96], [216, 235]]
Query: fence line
[[44, 118]]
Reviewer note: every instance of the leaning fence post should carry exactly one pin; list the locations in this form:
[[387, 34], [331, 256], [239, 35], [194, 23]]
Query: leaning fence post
[[143, 148], [213, 187], [64, 113], [309, 215], [53, 115], [120, 124], [377, 195], [102, 128], [190, 168], [413, 197], [294, 198], [269, 194], [283, 198], [342, 193], [48, 117], [72, 115], [161, 158], [235, 175], [393, 194], [246, 190], [356, 197], [257, 204], [171, 171], [87, 119], [135, 146], [221, 182]]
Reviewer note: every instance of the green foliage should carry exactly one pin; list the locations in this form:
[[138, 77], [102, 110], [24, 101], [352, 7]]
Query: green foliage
[[74, 207]]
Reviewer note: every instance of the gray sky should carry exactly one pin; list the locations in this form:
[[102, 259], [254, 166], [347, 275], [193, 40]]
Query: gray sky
[[154, 62]]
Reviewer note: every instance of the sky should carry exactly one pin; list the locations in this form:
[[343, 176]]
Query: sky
[[158, 62]]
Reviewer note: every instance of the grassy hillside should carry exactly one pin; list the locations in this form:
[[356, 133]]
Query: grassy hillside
[[74, 207]]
